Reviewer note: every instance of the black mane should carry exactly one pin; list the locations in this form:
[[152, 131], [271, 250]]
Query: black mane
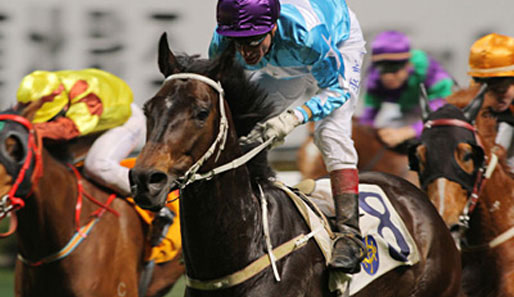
[[245, 99]]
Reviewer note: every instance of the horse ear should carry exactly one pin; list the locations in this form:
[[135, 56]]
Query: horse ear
[[471, 110], [168, 63], [423, 102], [224, 61], [413, 159]]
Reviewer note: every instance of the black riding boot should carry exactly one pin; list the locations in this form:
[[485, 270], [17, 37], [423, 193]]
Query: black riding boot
[[349, 250]]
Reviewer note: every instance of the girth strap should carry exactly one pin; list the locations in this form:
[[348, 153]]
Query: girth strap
[[251, 270]]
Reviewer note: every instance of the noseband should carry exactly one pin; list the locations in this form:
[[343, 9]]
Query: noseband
[[191, 174]]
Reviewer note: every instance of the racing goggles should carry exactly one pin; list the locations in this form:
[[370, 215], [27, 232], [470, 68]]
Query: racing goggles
[[252, 41], [384, 67]]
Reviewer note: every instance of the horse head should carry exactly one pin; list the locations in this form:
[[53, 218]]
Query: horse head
[[188, 122], [449, 157], [20, 157]]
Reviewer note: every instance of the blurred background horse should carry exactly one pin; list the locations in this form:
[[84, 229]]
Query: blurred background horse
[[374, 155], [73, 237], [477, 205]]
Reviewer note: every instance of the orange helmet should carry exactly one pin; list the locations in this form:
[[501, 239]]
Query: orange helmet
[[492, 56]]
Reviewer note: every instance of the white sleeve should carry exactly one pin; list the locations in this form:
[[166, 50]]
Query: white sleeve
[[504, 136]]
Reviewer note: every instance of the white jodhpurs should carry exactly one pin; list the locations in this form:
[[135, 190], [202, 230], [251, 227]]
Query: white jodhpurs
[[103, 159]]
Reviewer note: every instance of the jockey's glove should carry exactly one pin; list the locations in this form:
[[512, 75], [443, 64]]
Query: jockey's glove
[[276, 128]]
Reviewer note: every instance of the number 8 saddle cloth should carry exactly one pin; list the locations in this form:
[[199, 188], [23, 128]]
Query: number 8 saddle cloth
[[388, 241]]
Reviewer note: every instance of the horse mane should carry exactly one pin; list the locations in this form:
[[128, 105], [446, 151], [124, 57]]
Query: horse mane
[[246, 101]]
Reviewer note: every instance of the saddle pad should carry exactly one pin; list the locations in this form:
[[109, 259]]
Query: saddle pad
[[388, 241]]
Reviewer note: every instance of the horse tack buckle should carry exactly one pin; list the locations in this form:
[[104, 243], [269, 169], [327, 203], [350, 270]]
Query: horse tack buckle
[[5, 206]]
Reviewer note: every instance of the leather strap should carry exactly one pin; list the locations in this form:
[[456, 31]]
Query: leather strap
[[249, 271]]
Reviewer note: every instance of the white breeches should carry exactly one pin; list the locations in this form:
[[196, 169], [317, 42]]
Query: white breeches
[[103, 159]]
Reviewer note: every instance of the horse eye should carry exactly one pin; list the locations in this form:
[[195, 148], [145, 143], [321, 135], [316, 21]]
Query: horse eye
[[202, 114], [14, 149], [467, 156], [464, 156]]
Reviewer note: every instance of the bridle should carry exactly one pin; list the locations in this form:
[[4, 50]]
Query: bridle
[[480, 177], [10, 201], [192, 174], [484, 172]]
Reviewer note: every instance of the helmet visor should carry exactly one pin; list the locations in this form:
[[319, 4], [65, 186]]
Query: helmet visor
[[252, 41]]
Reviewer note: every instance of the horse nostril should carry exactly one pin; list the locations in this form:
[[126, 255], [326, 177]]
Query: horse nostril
[[158, 178], [156, 181]]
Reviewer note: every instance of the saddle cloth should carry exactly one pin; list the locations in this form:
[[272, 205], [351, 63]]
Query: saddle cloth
[[388, 241]]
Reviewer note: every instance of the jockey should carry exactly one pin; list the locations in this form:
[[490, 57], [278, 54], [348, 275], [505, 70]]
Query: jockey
[[491, 61], [80, 102], [394, 76], [310, 49]]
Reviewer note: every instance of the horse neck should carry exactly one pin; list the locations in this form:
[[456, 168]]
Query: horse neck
[[46, 221], [221, 216], [495, 202]]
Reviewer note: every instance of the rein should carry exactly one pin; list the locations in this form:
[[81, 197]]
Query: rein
[[484, 172], [81, 232], [191, 176]]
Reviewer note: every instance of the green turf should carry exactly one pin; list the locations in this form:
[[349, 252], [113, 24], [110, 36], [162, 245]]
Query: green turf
[[7, 285]]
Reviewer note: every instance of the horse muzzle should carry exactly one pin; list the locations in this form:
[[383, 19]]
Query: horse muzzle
[[150, 188]]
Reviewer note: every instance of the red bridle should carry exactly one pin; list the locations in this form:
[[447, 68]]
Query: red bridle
[[33, 151], [10, 202]]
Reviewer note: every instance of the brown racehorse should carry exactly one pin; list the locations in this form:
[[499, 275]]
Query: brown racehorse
[[373, 155], [450, 161], [105, 259], [193, 128]]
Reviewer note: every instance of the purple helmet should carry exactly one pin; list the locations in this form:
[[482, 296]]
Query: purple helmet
[[244, 18], [390, 46]]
